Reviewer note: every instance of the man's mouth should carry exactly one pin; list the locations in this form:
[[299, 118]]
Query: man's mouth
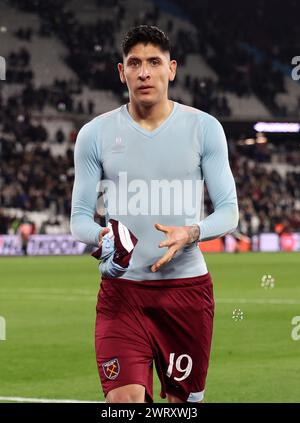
[[145, 87]]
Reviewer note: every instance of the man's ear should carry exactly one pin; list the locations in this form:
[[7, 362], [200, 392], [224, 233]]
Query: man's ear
[[121, 73], [173, 67]]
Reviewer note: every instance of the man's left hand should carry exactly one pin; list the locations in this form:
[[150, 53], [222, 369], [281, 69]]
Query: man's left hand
[[177, 238]]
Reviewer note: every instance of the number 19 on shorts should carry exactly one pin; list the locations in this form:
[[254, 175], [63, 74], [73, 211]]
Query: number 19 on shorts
[[186, 370]]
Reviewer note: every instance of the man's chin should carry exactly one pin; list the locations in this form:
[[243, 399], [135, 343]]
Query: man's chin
[[146, 101]]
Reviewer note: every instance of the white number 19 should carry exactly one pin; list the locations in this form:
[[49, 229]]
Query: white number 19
[[187, 370]]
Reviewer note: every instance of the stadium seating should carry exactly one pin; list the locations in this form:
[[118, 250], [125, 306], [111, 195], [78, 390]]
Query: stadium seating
[[66, 74]]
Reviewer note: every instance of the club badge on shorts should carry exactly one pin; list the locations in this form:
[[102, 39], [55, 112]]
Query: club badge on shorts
[[111, 368]]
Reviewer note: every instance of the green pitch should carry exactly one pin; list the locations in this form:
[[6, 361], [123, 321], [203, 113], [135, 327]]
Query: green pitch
[[49, 307]]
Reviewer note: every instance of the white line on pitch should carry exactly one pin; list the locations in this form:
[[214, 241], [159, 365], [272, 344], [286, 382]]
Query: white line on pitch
[[257, 300], [53, 297], [44, 400], [50, 291], [48, 298]]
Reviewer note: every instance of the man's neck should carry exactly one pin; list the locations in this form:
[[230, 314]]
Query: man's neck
[[151, 117]]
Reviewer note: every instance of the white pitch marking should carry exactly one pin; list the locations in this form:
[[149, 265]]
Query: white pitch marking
[[278, 301], [55, 297], [47, 291], [44, 400], [48, 298]]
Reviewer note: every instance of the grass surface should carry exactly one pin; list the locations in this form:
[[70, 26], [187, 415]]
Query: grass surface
[[49, 307]]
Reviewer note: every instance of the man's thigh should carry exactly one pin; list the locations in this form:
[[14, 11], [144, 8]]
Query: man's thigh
[[124, 356], [182, 328]]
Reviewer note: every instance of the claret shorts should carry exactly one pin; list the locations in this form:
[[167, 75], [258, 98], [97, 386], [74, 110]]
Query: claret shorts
[[166, 323]]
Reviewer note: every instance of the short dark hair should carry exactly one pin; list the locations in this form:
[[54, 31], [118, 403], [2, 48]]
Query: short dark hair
[[145, 34]]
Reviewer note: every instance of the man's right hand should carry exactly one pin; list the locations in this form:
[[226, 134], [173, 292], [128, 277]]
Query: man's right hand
[[116, 245], [104, 232]]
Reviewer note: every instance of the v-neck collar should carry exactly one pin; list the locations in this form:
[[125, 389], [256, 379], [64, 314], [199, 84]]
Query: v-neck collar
[[145, 131]]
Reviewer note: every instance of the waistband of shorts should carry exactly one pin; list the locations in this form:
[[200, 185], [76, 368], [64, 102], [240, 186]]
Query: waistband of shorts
[[161, 283]]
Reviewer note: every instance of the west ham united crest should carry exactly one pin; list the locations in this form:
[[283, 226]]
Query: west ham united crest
[[111, 368]]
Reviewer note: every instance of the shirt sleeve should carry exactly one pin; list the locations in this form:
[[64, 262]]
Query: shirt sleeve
[[219, 181], [88, 173]]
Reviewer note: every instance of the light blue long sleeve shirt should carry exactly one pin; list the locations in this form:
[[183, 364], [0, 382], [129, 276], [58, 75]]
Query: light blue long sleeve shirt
[[153, 177]]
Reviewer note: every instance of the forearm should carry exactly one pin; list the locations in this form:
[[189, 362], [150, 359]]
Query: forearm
[[222, 221], [88, 174], [220, 183], [85, 229]]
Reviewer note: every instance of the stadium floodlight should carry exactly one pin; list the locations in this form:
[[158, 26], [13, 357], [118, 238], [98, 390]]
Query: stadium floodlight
[[277, 127]]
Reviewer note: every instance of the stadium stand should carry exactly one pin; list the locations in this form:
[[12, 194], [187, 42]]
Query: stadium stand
[[61, 71]]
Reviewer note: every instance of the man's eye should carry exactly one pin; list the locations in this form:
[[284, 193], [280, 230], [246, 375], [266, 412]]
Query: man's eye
[[155, 62], [134, 63]]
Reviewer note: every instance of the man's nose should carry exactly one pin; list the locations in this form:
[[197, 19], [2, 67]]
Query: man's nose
[[144, 72]]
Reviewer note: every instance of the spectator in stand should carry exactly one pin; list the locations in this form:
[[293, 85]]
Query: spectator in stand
[[26, 229]]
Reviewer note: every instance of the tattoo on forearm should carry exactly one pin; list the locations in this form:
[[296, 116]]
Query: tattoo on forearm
[[194, 233]]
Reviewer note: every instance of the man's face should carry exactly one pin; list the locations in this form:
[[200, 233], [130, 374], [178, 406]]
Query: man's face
[[147, 71]]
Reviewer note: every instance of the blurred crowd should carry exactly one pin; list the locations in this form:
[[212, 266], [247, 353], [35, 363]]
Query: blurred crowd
[[247, 59], [33, 179], [250, 47], [267, 200], [58, 95], [93, 52]]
